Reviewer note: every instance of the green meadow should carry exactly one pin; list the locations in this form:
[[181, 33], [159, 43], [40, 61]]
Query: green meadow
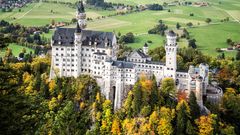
[[208, 36], [16, 49]]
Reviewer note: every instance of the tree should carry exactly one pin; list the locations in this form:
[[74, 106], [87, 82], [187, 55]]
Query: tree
[[154, 97], [205, 125], [208, 20], [238, 55], [128, 104], [165, 127], [116, 127], [190, 24], [168, 87], [183, 115], [65, 120], [192, 43], [137, 96], [194, 107], [178, 26]]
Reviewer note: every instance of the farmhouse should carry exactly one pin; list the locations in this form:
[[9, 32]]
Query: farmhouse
[[77, 51]]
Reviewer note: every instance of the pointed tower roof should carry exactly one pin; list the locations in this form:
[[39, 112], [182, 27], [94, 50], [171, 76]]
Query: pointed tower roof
[[80, 7], [171, 33], [78, 29], [145, 45]]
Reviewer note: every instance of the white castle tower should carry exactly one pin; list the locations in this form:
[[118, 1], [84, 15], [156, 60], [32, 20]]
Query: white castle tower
[[81, 15], [145, 48], [171, 55]]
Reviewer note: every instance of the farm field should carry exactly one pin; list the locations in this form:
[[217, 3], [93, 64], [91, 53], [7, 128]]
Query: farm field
[[16, 49], [208, 36], [39, 14]]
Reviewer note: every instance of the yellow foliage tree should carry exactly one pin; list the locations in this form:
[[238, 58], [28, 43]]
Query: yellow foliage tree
[[165, 127], [52, 85], [205, 125], [52, 103], [116, 127]]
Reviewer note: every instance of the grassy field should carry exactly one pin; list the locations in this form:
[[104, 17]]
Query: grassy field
[[16, 49], [39, 14], [208, 36]]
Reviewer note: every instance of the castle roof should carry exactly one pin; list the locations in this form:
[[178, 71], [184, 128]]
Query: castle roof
[[65, 36], [145, 45], [171, 33], [137, 53], [122, 64], [80, 7]]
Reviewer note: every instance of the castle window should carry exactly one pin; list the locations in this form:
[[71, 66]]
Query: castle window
[[72, 65], [63, 69], [62, 49], [63, 59], [57, 64], [72, 49], [57, 54], [93, 50], [57, 59], [56, 48], [87, 49], [61, 54], [72, 55], [63, 64], [103, 51], [72, 60]]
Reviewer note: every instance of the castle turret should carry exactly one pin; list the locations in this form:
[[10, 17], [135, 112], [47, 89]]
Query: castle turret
[[145, 48], [199, 90], [171, 55], [81, 15], [78, 50]]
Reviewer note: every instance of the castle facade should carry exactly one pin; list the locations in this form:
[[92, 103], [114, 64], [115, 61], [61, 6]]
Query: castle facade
[[77, 51]]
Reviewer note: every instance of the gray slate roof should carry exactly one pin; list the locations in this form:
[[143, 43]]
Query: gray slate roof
[[171, 33], [122, 64], [66, 37]]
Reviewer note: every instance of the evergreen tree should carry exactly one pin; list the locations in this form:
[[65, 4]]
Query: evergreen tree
[[37, 82], [183, 115], [178, 26], [194, 107], [238, 55], [154, 94], [137, 96]]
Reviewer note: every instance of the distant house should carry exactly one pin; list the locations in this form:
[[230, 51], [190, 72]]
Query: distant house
[[200, 4]]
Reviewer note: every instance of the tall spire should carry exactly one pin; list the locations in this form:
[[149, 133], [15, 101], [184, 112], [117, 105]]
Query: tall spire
[[80, 7]]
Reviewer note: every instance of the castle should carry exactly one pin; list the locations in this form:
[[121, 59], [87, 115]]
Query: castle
[[77, 51]]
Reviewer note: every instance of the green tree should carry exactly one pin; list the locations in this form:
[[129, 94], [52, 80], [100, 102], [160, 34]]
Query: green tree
[[168, 87], [208, 20], [183, 116], [238, 55], [178, 26], [137, 96], [194, 107]]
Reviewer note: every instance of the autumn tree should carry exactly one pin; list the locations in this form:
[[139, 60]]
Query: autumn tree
[[165, 126], [106, 118], [205, 125], [116, 127]]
